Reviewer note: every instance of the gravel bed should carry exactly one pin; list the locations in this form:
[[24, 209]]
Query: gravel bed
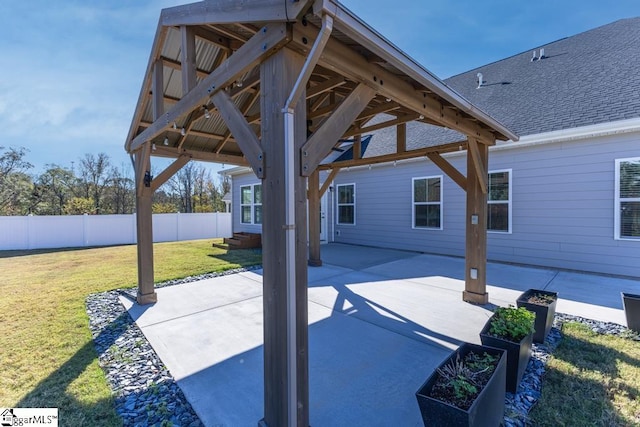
[[147, 395]]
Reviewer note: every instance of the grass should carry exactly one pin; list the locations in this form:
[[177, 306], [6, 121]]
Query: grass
[[591, 380], [47, 358]]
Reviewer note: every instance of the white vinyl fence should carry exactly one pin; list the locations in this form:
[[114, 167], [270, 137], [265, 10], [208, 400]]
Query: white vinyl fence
[[43, 232]]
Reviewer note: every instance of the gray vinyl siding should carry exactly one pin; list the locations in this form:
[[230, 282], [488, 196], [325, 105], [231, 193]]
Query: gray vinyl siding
[[237, 182], [562, 201]]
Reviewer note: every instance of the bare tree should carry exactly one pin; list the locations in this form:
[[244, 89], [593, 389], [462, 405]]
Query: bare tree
[[95, 178]]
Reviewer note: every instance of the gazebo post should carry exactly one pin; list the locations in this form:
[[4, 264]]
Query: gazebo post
[[144, 226], [314, 219], [278, 75], [476, 224]]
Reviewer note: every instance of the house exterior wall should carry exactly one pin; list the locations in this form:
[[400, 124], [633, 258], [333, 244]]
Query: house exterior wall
[[562, 206], [237, 182]]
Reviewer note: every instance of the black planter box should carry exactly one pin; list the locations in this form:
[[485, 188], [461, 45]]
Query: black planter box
[[631, 303], [486, 410], [518, 354], [544, 313]]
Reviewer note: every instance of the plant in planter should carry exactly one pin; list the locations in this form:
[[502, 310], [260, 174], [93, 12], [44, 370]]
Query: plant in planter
[[511, 329], [631, 303], [543, 304], [467, 389]]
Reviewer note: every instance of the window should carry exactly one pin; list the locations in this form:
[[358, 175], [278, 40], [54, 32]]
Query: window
[[627, 210], [346, 204], [499, 201], [251, 204], [427, 202]]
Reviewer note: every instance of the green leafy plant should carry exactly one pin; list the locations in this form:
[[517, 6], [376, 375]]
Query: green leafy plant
[[512, 323]]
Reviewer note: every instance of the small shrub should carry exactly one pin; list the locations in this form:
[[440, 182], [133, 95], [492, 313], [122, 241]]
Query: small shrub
[[541, 299], [512, 323]]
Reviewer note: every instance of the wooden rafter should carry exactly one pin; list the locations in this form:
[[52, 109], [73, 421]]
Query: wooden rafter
[[173, 152], [421, 152], [319, 144], [188, 59], [250, 54], [352, 65], [355, 130], [401, 138]]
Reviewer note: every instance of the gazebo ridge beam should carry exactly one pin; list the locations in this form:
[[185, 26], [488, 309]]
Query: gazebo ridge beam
[[229, 12]]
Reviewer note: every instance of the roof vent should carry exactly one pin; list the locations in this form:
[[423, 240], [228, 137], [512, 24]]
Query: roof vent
[[480, 80], [534, 57], [542, 53]]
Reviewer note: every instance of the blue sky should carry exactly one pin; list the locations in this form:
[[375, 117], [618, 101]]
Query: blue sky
[[71, 70]]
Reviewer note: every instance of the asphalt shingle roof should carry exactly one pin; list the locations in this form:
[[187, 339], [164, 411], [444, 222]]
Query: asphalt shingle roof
[[590, 78]]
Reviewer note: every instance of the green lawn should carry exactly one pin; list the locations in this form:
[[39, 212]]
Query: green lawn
[[47, 357], [591, 380]]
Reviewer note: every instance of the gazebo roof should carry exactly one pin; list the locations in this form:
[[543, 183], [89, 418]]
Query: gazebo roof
[[229, 42]]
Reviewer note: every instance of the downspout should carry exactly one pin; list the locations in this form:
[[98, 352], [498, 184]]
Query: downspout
[[290, 226]]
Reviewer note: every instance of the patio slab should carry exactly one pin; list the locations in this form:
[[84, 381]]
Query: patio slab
[[379, 322]]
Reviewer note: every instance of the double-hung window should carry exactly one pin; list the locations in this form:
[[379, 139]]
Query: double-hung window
[[627, 200], [499, 201], [251, 204], [427, 202], [346, 204]]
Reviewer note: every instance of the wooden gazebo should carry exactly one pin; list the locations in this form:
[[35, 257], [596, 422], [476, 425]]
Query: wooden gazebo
[[275, 85]]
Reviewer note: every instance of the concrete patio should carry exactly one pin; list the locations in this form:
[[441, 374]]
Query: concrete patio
[[380, 321]]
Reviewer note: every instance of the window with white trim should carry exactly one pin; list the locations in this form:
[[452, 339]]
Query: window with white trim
[[346, 204], [627, 209], [499, 201], [427, 202], [251, 204]]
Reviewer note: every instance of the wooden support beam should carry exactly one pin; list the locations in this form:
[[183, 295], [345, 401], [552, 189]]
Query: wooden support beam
[[319, 144], [314, 219], [449, 169], [478, 167], [342, 59], [328, 181], [421, 152], [244, 110], [278, 76], [259, 47], [212, 136], [144, 229], [188, 59], [174, 153], [318, 102], [245, 137], [213, 38], [357, 147], [401, 138], [232, 12], [171, 170], [157, 90], [476, 231]]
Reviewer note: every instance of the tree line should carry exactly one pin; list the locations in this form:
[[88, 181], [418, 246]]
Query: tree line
[[96, 186]]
